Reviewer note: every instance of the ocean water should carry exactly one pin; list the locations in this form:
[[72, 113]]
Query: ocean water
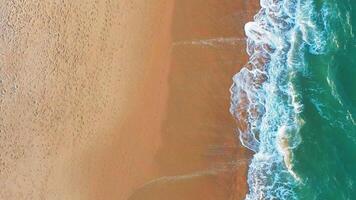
[[295, 100]]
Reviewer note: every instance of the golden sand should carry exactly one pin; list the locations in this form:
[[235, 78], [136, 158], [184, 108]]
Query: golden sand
[[82, 86], [120, 99]]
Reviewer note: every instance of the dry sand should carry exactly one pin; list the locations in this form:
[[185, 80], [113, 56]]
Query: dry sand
[[120, 99], [82, 86]]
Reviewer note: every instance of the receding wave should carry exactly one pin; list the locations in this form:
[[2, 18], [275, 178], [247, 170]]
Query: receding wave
[[263, 97]]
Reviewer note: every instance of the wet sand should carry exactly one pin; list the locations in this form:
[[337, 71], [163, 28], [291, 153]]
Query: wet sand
[[121, 99], [200, 157]]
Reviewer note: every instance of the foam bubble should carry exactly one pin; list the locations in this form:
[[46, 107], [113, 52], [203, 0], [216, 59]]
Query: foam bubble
[[263, 98]]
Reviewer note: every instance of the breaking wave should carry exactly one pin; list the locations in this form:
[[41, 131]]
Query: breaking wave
[[264, 100]]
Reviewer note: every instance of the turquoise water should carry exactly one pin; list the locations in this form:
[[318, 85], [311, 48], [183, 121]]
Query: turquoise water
[[297, 98]]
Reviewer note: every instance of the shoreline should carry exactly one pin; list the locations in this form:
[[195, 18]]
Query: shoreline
[[200, 157], [122, 100]]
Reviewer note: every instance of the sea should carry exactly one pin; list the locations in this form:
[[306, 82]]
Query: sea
[[295, 100]]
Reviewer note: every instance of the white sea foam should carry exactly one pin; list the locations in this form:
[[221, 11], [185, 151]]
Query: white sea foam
[[264, 100], [212, 42]]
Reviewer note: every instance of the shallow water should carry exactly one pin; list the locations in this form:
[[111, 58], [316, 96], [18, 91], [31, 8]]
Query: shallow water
[[295, 100]]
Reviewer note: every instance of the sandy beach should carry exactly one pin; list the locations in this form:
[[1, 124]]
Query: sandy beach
[[121, 99], [82, 89], [200, 156]]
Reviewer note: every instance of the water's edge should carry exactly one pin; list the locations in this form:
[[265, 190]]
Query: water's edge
[[264, 100]]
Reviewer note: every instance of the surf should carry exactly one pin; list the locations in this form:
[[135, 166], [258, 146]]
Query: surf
[[295, 48], [263, 99]]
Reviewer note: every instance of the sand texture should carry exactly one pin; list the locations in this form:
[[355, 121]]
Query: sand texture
[[120, 99], [200, 157], [74, 73]]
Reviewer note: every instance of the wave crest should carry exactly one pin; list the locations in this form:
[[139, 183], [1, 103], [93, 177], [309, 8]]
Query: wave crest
[[263, 99]]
